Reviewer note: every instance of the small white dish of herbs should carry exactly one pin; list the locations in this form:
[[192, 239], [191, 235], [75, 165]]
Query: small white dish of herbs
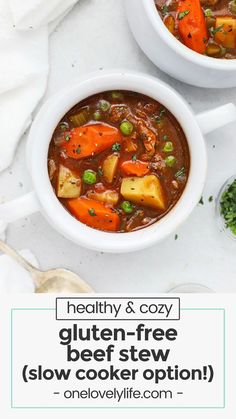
[[226, 207]]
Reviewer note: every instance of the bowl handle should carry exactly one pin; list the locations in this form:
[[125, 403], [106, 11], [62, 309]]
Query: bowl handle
[[19, 208], [216, 118]]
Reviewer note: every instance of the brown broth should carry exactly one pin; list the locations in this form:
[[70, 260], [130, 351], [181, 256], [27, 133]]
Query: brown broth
[[147, 117]]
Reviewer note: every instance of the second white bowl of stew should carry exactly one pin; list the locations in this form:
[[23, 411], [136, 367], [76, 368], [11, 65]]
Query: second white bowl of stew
[[192, 40], [207, 27], [117, 160]]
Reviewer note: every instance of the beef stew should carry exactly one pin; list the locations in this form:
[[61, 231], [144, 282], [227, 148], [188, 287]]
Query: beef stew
[[205, 26], [118, 161]]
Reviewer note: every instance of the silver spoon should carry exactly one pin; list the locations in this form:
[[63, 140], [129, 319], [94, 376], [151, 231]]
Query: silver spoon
[[54, 281]]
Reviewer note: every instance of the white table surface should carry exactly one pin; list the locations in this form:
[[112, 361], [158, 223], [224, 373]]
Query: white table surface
[[95, 36]]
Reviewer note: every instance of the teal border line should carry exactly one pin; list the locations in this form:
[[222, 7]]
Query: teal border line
[[122, 407], [11, 358]]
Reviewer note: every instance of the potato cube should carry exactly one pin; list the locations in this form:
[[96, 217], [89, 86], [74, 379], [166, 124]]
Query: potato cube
[[109, 166], [69, 184], [225, 34], [146, 191]]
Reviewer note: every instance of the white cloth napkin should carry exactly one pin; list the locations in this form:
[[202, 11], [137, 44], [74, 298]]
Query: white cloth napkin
[[25, 27], [24, 31]]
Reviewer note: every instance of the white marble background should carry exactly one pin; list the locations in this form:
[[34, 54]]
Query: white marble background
[[95, 36]]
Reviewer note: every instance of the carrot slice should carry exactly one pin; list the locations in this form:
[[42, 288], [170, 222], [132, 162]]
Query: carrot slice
[[88, 140], [135, 168], [192, 25], [94, 214], [169, 21]]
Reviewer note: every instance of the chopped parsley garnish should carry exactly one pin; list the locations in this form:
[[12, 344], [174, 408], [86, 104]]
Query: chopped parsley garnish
[[176, 236], [210, 199], [116, 147], [63, 126], [201, 202], [158, 118], [78, 150], [134, 157], [165, 138], [165, 10], [92, 212], [181, 15], [228, 207], [162, 112], [180, 174], [100, 171], [67, 137], [218, 29]]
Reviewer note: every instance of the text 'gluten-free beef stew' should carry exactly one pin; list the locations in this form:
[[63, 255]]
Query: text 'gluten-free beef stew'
[[205, 26], [118, 161]]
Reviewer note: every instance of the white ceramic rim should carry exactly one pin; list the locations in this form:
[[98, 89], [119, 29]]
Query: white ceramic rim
[[40, 135], [181, 49]]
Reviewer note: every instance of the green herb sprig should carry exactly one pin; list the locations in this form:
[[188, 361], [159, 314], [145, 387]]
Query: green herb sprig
[[165, 10], [116, 147], [181, 15], [180, 174], [218, 29], [92, 212]]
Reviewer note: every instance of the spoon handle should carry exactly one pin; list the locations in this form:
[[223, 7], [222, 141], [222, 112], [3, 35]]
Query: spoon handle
[[19, 259]]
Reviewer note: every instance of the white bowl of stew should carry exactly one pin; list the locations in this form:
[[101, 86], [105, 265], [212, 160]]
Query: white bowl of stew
[[117, 160], [193, 41]]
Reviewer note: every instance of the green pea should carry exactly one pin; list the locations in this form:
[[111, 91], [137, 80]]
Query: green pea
[[89, 177], [97, 115], [127, 207], [117, 95], [168, 147], [104, 105], [232, 6], [208, 13], [170, 161], [126, 128]]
